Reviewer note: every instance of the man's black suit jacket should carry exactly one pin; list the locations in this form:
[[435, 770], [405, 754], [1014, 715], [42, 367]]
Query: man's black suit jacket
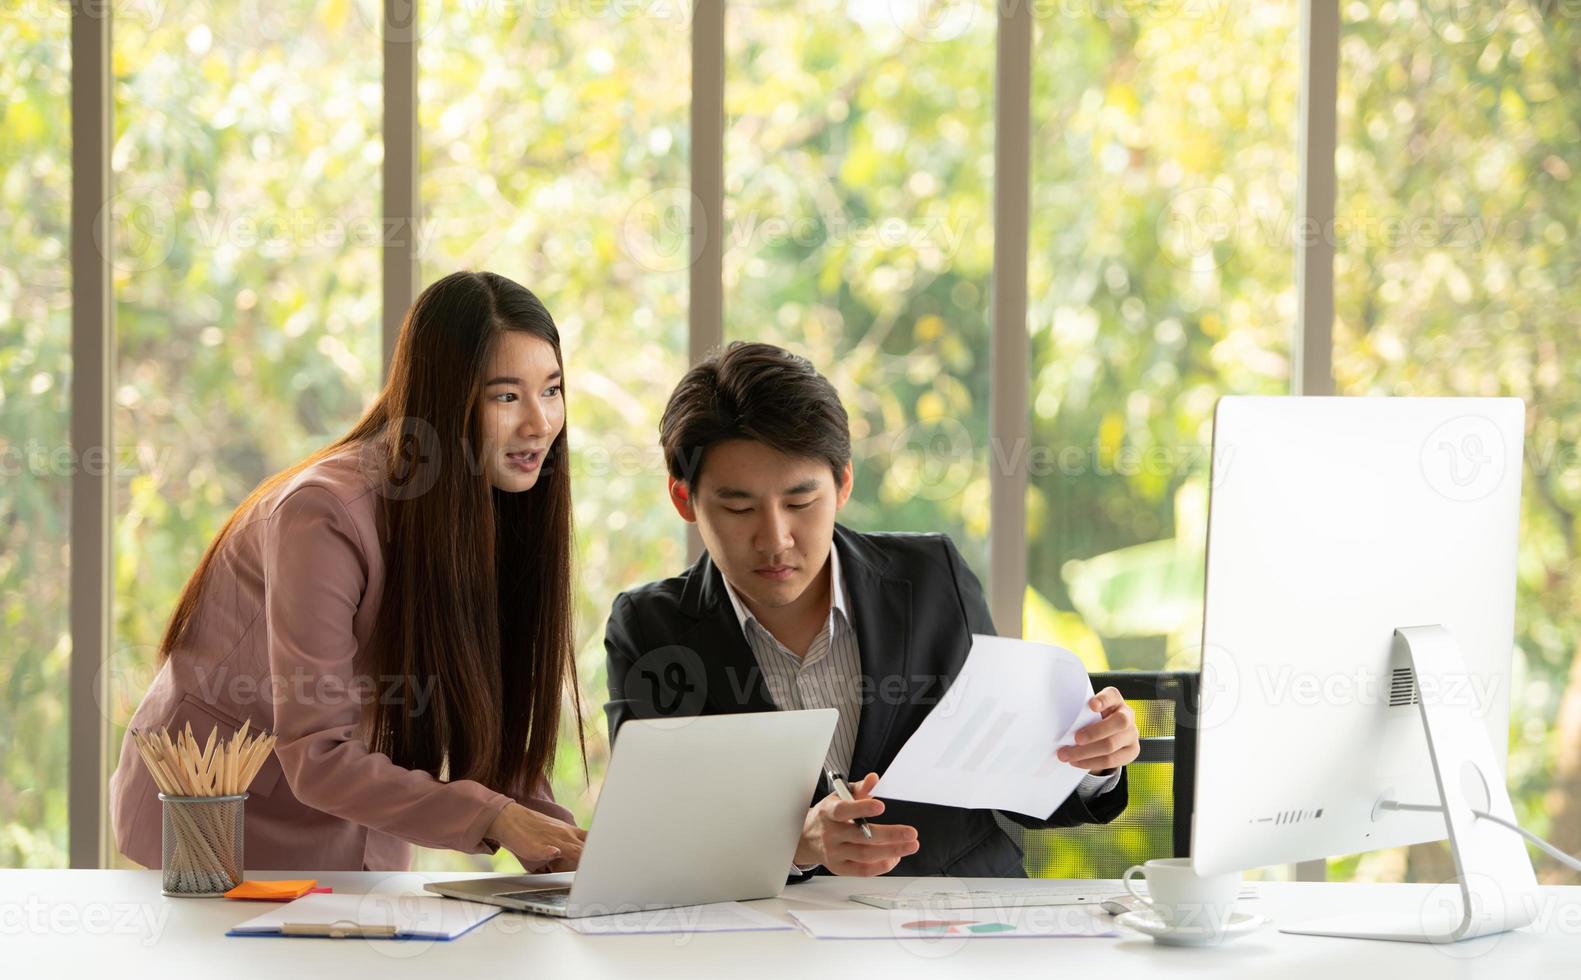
[[676, 649]]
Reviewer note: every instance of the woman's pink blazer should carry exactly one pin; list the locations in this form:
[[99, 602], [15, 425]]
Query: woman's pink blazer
[[280, 638]]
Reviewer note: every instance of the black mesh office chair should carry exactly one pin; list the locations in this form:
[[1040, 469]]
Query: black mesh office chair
[[1157, 820]]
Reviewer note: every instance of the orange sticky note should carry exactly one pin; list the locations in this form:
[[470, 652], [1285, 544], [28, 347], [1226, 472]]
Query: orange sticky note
[[272, 891]]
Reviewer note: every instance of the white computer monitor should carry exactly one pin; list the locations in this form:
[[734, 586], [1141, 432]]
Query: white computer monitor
[[1333, 523]]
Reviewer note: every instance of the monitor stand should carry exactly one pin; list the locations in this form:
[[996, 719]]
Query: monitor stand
[[1494, 889]]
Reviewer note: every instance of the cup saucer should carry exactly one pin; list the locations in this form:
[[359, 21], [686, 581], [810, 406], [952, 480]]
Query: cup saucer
[[1147, 921]]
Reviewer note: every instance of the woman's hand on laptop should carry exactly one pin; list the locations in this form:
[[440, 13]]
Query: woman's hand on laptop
[[537, 839], [830, 837]]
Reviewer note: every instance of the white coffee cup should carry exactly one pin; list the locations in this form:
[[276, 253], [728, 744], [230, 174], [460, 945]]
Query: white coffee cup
[[1183, 899]]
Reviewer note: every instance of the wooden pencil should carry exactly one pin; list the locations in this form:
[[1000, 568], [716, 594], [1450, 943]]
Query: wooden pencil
[[204, 854]]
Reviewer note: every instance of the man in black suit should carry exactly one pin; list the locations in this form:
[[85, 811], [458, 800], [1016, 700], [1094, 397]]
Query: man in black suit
[[787, 609]]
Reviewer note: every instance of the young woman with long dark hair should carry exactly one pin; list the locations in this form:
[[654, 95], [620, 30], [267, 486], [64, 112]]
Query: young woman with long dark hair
[[397, 608]]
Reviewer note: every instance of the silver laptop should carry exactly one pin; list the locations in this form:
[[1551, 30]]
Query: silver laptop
[[693, 810]]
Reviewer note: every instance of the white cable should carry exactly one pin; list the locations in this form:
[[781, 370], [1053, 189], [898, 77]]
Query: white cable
[[1546, 847]]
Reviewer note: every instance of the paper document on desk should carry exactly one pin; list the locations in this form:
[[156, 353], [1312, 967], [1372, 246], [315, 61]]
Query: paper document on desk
[[1025, 923], [382, 915], [715, 917], [990, 741]]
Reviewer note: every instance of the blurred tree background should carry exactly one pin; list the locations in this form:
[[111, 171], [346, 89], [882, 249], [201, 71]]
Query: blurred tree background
[[247, 267], [1458, 272], [1153, 135], [35, 401], [858, 224], [858, 231]]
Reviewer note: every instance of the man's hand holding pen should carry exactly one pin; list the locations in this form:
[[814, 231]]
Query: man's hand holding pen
[[831, 837]]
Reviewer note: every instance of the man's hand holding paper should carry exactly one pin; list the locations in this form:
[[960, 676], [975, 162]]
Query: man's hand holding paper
[[1017, 731], [1108, 743]]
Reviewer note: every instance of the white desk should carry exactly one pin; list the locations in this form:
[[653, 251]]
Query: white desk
[[115, 924]]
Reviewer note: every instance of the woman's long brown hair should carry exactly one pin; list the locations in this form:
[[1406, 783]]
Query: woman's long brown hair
[[477, 590]]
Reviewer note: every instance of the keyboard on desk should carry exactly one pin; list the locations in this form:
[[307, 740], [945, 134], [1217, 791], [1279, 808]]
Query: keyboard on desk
[[1076, 893]]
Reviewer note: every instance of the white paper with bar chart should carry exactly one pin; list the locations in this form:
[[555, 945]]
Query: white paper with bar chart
[[990, 742]]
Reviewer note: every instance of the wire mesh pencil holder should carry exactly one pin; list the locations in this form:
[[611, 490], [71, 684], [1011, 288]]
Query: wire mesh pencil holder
[[202, 844]]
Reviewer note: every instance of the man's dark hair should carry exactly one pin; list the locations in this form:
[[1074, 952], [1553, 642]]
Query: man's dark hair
[[758, 392]]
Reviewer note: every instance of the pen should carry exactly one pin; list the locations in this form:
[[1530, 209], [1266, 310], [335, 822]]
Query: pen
[[838, 784]]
